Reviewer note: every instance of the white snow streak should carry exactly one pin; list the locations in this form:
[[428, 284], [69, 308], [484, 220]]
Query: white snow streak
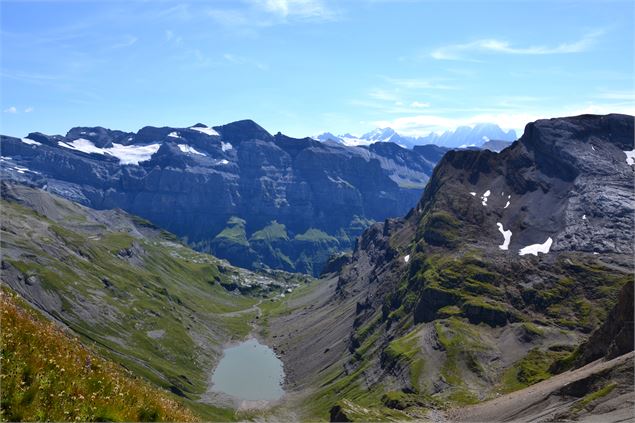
[[205, 130], [191, 150], [507, 235], [30, 141], [536, 248]]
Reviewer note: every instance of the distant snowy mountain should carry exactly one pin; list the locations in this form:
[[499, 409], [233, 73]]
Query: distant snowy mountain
[[462, 137]]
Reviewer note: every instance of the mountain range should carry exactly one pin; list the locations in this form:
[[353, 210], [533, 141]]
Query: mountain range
[[461, 137], [504, 293], [256, 199]]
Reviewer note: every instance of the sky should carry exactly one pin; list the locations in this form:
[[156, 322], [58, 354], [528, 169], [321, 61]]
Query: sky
[[303, 67]]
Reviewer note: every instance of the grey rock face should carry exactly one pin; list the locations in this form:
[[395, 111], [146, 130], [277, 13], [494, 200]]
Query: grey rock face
[[191, 181], [565, 179]]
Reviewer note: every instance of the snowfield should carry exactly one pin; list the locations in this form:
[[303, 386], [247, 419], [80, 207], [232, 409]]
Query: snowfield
[[127, 154]]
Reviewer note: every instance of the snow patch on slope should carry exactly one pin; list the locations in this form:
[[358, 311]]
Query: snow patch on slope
[[127, 154], [507, 236], [191, 150], [30, 141], [536, 248], [205, 130], [484, 197]]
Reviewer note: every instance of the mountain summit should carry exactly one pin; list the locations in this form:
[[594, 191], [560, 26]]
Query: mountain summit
[[461, 137]]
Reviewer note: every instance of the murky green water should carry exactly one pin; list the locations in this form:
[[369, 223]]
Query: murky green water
[[249, 371]]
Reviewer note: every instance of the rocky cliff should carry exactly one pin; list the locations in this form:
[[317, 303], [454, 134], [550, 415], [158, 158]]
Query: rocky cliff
[[299, 200], [505, 265]]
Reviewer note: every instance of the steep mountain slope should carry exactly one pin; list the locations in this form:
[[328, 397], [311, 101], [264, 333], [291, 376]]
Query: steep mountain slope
[[130, 289], [507, 263], [48, 375], [598, 387], [197, 182]]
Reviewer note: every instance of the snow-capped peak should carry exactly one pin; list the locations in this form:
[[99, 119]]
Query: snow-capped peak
[[475, 135]]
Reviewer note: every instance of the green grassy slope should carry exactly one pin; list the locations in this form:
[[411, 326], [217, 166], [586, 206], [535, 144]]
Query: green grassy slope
[[131, 290], [48, 375]]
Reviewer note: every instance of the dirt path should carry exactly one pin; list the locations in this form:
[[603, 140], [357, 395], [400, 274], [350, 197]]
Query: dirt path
[[255, 307], [534, 403]]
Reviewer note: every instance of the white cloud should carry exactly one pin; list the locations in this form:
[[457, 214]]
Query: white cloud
[[491, 45], [11, 109], [239, 60], [418, 84], [229, 18], [384, 95], [419, 105], [171, 37], [127, 41], [423, 124], [29, 109], [266, 13], [618, 95], [303, 9]]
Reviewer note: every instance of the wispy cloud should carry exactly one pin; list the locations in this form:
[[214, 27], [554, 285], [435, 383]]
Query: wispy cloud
[[384, 95], [232, 18], [239, 60], [628, 96], [403, 95], [172, 38], [423, 124], [29, 109], [267, 13], [467, 51], [419, 83], [11, 109], [419, 105], [127, 41], [301, 9]]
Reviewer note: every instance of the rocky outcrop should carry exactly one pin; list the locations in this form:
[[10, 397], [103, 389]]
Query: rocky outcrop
[[505, 265], [615, 336]]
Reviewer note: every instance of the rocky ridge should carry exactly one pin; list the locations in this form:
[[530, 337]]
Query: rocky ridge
[[197, 182], [508, 262]]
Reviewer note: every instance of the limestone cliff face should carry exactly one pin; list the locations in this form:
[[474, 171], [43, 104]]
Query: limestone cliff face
[[499, 235], [504, 267], [192, 181]]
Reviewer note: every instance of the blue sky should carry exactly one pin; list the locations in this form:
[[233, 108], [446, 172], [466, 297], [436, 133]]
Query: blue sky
[[306, 66]]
